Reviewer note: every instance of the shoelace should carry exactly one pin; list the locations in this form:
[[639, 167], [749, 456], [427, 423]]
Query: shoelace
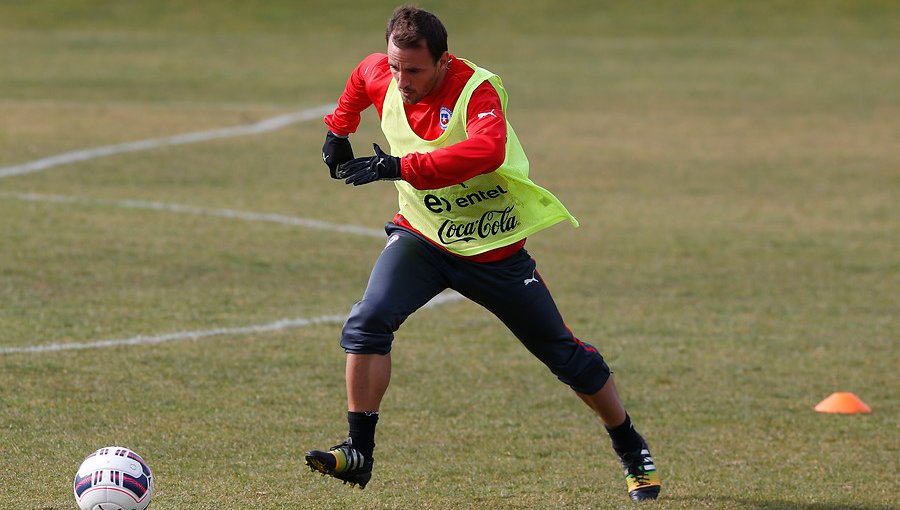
[[640, 477], [636, 470], [345, 444]]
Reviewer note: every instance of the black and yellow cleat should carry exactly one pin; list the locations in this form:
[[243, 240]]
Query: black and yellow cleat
[[640, 474], [342, 462]]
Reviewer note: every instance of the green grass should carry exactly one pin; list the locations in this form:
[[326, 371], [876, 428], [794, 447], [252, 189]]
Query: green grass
[[734, 167]]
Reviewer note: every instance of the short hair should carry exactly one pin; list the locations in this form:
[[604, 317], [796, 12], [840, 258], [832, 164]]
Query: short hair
[[409, 26]]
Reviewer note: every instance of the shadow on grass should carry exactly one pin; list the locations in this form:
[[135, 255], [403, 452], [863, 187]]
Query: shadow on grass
[[763, 504]]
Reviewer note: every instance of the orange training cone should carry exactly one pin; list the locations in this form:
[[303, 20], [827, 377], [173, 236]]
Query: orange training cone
[[844, 403]]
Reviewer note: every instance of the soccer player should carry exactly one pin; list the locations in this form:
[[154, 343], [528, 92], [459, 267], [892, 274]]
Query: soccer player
[[466, 208]]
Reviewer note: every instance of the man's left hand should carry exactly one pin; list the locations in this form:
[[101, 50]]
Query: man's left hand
[[380, 167]]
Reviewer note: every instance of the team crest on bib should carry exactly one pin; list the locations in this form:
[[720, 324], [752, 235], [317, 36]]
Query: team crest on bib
[[444, 119]]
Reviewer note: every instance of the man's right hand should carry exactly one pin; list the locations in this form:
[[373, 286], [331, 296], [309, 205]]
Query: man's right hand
[[335, 151]]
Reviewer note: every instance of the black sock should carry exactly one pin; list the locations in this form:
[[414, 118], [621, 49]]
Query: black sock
[[624, 438], [362, 431]]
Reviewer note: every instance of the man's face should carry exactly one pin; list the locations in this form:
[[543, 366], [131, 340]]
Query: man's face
[[416, 72]]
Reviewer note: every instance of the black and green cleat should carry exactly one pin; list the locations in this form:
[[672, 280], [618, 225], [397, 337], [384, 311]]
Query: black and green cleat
[[640, 474], [342, 462]]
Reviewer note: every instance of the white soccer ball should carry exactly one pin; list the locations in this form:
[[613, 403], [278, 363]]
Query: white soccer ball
[[113, 478]]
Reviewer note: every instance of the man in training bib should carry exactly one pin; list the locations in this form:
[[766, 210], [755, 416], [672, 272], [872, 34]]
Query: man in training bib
[[466, 208]]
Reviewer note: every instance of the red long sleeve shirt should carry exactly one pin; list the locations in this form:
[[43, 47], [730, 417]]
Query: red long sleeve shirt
[[483, 151]]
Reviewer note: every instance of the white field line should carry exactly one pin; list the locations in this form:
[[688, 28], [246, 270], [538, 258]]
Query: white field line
[[202, 211], [259, 127], [262, 126], [445, 297]]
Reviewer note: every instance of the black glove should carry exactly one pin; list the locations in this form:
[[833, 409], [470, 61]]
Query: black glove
[[336, 150], [381, 166]]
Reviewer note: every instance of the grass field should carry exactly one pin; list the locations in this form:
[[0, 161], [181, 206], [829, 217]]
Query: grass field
[[735, 167]]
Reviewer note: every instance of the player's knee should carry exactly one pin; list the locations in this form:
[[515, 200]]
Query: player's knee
[[368, 330], [585, 373], [580, 366]]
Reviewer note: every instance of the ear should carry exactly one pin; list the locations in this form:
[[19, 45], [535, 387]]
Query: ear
[[444, 60]]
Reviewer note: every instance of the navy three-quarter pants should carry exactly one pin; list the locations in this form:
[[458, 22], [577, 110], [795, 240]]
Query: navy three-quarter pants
[[410, 271]]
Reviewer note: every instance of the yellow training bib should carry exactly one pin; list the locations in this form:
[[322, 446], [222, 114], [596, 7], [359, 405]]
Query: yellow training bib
[[486, 212]]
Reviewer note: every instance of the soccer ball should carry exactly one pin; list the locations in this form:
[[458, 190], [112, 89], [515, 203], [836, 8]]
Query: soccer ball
[[113, 478]]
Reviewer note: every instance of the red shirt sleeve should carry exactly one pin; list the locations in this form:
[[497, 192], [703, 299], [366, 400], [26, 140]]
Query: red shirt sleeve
[[483, 151], [365, 87]]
